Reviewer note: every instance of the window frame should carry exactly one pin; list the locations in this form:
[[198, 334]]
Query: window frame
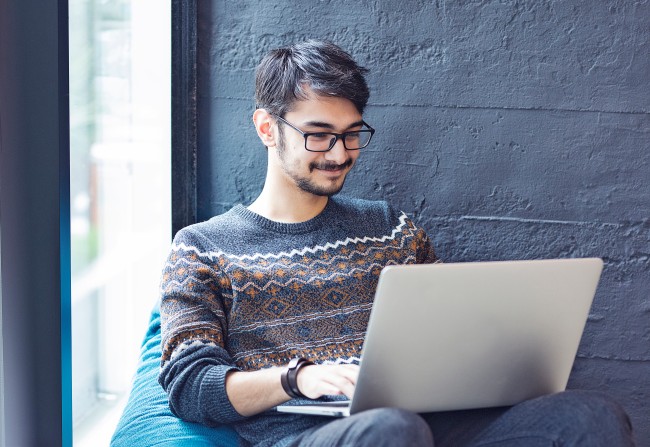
[[34, 205], [184, 114]]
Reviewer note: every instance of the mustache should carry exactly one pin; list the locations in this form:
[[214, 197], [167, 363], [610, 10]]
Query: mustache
[[330, 166]]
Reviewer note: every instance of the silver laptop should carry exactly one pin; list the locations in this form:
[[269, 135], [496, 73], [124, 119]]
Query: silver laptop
[[470, 335]]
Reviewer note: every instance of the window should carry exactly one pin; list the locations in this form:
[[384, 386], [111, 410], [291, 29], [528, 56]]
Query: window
[[120, 196]]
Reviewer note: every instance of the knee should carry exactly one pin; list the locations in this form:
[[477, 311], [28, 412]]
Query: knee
[[595, 407], [594, 413], [393, 427]]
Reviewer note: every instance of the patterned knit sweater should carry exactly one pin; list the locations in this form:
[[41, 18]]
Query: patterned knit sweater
[[241, 292]]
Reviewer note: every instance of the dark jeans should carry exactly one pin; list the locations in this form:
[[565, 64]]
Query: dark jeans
[[571, 418]]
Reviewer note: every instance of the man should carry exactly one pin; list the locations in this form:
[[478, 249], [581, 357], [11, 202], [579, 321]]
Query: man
[[270, 302]]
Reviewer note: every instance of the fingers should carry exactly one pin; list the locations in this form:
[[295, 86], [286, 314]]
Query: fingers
[[351, 372], [346, 379], [340, 384], [319, 380]]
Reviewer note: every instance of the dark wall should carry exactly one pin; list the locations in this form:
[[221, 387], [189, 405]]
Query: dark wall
[[34, 196], [509, 130]]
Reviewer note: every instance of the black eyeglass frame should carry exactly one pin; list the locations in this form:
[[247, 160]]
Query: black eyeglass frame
[[336, 136]]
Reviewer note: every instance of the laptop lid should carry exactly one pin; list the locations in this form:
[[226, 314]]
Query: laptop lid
[[471, 335]]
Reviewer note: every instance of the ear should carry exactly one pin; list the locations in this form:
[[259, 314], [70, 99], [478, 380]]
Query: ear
[[264, 125]]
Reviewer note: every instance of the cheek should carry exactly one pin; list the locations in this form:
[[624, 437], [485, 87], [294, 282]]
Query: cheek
[[298, 161]]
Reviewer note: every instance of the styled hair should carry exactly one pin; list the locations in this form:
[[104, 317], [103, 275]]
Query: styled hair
[[282, 76]]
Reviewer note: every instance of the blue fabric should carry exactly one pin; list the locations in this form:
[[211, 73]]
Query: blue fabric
[[147, 419]]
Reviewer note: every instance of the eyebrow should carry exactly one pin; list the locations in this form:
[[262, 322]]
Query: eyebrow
[[329, 126]]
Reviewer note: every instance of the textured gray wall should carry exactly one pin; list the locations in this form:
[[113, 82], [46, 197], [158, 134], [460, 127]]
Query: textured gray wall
[[509, 129]]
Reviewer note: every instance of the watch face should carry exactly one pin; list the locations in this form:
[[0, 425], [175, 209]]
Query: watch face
[[294, 362]]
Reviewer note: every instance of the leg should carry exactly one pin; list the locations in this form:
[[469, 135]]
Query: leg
[[571, 418], [388, 427], [459, 428]]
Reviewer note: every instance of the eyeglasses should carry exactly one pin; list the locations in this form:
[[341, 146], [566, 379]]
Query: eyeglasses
[[325, 141]]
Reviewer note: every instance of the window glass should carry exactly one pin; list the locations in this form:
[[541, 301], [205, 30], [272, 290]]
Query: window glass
[[120, 196]]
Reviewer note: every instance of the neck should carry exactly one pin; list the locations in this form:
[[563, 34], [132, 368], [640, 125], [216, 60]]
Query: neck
[[288, 206]]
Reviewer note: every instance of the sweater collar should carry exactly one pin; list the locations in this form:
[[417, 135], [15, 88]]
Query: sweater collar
[[307, 226]]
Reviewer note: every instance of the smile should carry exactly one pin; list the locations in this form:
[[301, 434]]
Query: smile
[[330, 167]]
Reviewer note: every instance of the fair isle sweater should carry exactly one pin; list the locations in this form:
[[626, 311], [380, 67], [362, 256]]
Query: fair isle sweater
[[241, 292]]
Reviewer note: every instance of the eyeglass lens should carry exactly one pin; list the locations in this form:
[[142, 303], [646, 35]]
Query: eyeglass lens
[[321, 142]]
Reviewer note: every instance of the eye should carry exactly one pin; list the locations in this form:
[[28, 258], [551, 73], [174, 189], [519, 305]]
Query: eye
[[320, 136]]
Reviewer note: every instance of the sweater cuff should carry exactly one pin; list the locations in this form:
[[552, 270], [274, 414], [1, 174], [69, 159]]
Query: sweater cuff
[[217, 404]]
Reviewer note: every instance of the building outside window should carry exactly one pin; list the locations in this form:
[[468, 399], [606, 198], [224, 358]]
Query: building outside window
[[120, 195]]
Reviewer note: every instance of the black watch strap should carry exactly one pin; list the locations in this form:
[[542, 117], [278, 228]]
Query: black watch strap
[[289, 377]]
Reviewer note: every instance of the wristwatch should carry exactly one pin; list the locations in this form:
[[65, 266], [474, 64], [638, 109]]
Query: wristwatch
[[289, 377]]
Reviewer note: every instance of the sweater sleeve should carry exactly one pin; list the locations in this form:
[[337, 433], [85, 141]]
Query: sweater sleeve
[[194, 360], [425, 254], [424, 251]]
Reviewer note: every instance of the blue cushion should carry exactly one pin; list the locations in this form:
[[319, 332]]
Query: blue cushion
[[147, 419]]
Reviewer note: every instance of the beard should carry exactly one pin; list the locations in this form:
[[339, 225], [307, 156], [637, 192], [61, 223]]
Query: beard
[[321, 190], [306, 184]]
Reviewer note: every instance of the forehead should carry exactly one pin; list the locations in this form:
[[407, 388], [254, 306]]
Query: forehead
[[337, 111]]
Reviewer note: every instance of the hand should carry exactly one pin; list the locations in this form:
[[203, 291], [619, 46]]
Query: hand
[[315, 381]]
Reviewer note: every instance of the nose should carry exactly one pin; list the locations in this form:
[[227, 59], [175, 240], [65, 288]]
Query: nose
[[338, 154]]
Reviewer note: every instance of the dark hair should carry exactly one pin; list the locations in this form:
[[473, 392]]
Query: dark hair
[[283, 74]]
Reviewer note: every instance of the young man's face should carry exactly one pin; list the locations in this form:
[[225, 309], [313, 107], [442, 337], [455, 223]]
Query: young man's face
[[317, 173]]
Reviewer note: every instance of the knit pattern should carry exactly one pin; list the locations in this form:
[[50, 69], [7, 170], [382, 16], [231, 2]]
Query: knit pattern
[[262, 293]]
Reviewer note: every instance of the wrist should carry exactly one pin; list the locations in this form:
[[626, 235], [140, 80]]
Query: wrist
[[289, 377]]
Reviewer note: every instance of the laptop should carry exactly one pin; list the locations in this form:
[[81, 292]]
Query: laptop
[[461, 336]]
